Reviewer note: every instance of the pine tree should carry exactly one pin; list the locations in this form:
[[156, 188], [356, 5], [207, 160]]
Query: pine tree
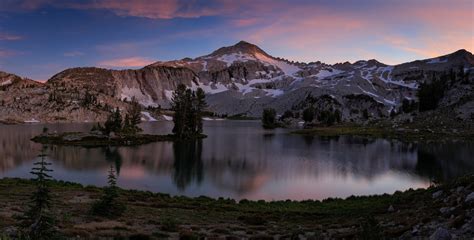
[[188, 107], [108, 205], [190, 122], [117, 120], [38, 219], [308, 114], [269, 118], [134, 113], [114, 122], [200, 106], [178, 106]]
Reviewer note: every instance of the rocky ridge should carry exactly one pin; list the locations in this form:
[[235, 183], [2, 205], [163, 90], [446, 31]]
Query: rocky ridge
[[241, 80]]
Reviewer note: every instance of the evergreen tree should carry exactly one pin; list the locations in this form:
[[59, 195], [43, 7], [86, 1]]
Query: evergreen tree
[[179, 108], [135, 114], [190, 116], [117, 120], [114, 122], [133, 118], [108, 205], [308, 114], [269, 118], [39, 220], [200, 106], [188, 107]]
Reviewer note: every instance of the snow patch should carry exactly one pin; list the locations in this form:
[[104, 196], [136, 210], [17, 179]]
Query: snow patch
[[326, 73], [229, 59], [437, 60], [213, 89], [274, 92], [33, 120], [169, 94], [204, 65], [7, 82], [212, 119], [148, 118], [287, 68], [129, 93], [168, 118]]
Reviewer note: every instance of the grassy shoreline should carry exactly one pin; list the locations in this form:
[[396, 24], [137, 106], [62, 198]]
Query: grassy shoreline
[[157, 216], [406, 133]]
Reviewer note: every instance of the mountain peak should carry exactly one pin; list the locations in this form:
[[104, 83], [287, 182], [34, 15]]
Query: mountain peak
[[240, 47]]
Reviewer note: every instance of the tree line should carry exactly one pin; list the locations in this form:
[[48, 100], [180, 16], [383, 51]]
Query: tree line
[[127, 125], [309, 114]]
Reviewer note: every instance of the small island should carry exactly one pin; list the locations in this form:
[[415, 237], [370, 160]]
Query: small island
[[93, 139], [187, 105]]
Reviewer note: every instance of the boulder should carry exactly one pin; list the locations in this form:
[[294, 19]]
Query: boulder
[[438, 194], [391, 209], [440, 234], [470, 197]]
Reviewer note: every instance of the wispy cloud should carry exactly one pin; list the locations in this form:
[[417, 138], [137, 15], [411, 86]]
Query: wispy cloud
[[7, 53], [131, 62], [9, 37], [73, 54]]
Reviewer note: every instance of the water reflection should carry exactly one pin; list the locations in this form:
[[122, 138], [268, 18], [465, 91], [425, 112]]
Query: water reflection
[[187, 166], [240, 160]]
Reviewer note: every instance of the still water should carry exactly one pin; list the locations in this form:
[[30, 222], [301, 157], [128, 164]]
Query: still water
[[241, 160]]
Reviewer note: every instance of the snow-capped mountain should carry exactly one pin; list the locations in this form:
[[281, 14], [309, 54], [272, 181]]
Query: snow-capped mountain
[[243, 79]]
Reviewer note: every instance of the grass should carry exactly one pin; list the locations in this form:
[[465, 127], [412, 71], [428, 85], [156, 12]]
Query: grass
[[156, 214], [405, 133]]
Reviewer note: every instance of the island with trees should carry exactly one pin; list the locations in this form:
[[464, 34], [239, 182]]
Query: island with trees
[[124, 130]]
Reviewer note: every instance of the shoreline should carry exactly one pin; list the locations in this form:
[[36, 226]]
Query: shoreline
[[412, 213], [84, 139], [402, 133]]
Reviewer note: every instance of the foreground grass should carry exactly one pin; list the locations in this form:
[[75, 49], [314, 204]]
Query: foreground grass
[[154, 215]]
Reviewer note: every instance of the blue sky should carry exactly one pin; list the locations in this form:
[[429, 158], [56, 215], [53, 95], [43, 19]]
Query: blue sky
[[40, 38]]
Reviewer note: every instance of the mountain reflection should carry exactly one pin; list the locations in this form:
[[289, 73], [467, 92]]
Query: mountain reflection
[[240, 159]]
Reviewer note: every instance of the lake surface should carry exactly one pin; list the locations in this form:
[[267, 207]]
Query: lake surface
[[241, 160]]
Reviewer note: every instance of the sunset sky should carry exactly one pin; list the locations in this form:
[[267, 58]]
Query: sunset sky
[[39, 38]]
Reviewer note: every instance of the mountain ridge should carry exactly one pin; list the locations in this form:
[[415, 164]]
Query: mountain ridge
[[243, 79]]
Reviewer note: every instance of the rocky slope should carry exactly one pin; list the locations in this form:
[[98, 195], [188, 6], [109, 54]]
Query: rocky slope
[[242, 80]]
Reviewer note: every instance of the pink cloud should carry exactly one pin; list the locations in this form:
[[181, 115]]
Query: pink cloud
[[9, 37], [433, 30], [162, 9], [126, 62], [245, 22], [139, 8], [6, 53], [73, 54], [34, 4]]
